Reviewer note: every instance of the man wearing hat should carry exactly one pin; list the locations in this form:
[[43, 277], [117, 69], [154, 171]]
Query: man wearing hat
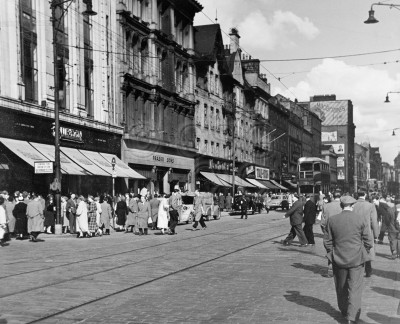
[[347, 242], [296, 219], [363, 208]]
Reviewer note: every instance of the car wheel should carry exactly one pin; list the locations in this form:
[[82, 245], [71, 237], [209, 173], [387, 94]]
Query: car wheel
[[208, 218]]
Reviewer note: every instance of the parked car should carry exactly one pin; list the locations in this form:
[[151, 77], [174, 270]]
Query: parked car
[[236, 207], [186, 213], [279, 201], [211, 209]]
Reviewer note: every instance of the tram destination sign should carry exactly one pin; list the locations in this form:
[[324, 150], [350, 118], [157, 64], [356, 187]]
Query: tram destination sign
[[44, 167]]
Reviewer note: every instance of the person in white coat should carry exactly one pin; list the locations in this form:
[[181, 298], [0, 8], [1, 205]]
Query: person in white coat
[[98, 216], [82, 226], [162, 219]]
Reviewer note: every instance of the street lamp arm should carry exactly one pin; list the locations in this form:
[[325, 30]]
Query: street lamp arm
[[387, 95], [391, 5]]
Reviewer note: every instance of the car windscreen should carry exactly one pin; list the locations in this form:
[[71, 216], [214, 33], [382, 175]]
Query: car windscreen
[[187, 200]]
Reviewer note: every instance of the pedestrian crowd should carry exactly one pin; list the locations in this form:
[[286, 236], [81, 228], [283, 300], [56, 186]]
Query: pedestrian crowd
[[351, 227]]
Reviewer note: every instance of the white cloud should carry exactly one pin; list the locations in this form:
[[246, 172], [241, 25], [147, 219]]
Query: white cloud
[[366, 87], [282, 30]]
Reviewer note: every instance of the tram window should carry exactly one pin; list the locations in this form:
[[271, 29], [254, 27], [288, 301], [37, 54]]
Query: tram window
[[306, 167], [317, 167]]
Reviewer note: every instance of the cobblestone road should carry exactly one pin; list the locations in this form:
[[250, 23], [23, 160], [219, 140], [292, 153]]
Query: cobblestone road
[[234, 272]]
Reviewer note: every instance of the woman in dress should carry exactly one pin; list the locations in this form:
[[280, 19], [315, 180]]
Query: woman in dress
[[131, 218], [21, 221], [162, 219], [154, 205], [82, 227], [65, 220], [121, 210], [92, 216], [49, 215], [144, 212], [106, 215]]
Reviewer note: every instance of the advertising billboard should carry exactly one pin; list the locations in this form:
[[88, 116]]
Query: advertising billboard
[[340, 174], [331, 112], [329, 136], [262, 173], [340, 161], [339, 148]]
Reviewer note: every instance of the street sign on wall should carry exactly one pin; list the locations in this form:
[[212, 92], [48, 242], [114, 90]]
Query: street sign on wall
[[44, 167]]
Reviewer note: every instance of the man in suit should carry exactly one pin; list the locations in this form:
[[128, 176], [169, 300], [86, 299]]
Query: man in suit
[[347, 243], [328, 210], [296, 219], [367, 210], [310, 213], [71, 213], [175, 202], [243, 207]]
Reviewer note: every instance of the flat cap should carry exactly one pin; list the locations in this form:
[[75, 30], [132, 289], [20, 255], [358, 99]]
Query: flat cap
[[347, 200]]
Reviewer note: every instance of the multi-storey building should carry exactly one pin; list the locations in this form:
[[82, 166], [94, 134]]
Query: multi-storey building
[[361, 167], [396, 167], [82, 60], [157, 91], [338, 130], [329, 155]]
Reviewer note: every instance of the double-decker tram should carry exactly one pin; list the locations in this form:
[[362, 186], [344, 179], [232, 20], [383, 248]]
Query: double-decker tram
[[313, 175]]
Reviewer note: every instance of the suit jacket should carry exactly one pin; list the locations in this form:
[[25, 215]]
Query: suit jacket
[[328, 210], [310, 212], [348, 239], [295, 213]]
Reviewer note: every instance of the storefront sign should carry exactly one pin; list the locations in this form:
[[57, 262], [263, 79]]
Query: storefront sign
[[69, 134], [262, 173], [160, 158], [44, 167]]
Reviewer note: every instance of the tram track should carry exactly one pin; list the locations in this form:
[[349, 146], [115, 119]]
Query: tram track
[[93, 273], [226, 232], [169, 274]]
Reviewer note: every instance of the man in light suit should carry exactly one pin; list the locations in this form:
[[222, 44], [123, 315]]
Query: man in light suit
[[367, 210], [328, 210], [347, 243], [296, 219]]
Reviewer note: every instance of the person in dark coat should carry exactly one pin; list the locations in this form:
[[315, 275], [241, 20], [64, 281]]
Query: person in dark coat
[[347, 243], [296, 219], [71, 213], [221, 201], [243, 206], [21, 220], [121, 210], [49, 215], [388, 213], [310, 213]]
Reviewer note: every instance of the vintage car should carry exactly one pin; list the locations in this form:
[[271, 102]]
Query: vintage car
[[211, 210], [236, 207], [279, 201], [186, 212]]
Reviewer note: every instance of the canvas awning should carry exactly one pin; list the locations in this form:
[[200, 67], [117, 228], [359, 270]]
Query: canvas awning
[[269, 184], [290, 184], [84, 162], [68, 166], [278, 185], [256, 183], [238, 181], [213, 178], [24, 151]]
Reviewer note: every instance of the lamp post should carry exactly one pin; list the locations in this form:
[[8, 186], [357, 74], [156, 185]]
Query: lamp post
[[233, 148], [387, 96], [394, 134], [371, 18], [88, 12], [113, 162]]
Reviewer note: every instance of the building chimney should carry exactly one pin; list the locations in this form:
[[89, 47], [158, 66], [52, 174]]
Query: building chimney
[[234, 36]]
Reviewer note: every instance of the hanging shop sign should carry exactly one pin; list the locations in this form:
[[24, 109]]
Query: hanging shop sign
[[44, 167], [262, 173]]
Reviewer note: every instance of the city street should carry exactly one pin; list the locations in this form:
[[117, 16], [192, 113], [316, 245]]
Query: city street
[[236, 271]]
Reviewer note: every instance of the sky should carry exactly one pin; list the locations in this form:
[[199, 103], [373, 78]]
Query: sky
[[291, 29]]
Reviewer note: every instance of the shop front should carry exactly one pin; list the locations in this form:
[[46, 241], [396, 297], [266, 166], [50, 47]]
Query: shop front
[[162, 171], [85, 153], [216, 175]]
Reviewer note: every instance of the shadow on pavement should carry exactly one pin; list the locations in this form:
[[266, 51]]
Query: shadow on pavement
[[392, 275], [314, 303], [306, 250], [384, 255], [315, 268], [383, 319], [387, 292]]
